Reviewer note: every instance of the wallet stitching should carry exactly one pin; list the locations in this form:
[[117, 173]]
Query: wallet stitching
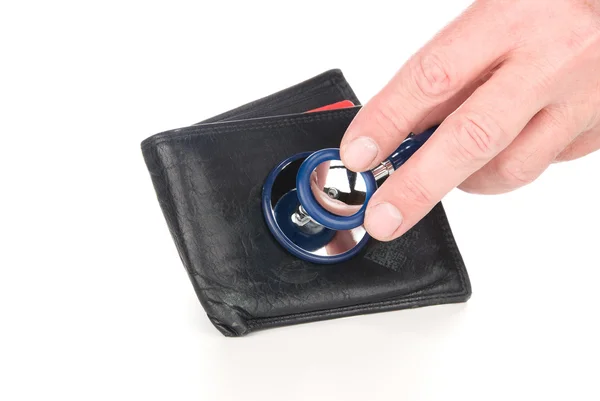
[[345, 89], [309, 93], [246, 125], [259, 322]]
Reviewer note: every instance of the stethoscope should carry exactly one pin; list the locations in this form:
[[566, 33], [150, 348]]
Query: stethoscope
[[315, 207]]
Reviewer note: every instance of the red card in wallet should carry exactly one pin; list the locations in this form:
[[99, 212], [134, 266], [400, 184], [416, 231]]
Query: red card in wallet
[[334, 106]]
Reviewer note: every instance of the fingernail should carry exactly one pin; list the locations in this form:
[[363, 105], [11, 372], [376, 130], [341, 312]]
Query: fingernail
[[383, 220], [360, 153]]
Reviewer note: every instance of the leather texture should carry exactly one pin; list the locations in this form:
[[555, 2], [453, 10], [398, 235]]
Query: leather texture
[[208, 179]]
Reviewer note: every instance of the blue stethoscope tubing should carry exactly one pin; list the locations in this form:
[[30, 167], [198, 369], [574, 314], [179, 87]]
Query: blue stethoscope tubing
[[307, 199]]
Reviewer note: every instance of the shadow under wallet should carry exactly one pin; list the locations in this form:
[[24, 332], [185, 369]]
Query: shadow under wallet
[[208, 179]]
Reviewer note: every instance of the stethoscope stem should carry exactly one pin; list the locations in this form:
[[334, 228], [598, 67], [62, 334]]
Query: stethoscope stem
[[385, 169], [301, 218], [406, 149]]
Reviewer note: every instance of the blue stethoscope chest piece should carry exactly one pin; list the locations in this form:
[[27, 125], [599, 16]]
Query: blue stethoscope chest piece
[[315, 207], [298, 233]]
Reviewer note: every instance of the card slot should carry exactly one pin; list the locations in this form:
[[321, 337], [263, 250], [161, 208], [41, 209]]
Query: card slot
[[258, 123], [328, 87]]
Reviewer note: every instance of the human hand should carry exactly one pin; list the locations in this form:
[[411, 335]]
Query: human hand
[[517, 86]]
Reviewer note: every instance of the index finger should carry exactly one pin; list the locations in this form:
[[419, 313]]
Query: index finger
[[459, 54]]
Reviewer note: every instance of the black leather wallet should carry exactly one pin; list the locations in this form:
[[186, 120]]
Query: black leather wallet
[[208, 179]]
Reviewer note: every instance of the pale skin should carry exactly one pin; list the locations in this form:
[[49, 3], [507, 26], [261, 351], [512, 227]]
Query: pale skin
[[515, 85]]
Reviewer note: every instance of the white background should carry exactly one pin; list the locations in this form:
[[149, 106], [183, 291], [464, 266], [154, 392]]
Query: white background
[[94, 302]]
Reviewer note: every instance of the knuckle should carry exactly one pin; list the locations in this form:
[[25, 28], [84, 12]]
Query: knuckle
[[432, 76], [539, 77], [415, 192], [483, 182], [469, 188], [514, 174], [554, 116], [475, 138], [389, 121], [565, 154]]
